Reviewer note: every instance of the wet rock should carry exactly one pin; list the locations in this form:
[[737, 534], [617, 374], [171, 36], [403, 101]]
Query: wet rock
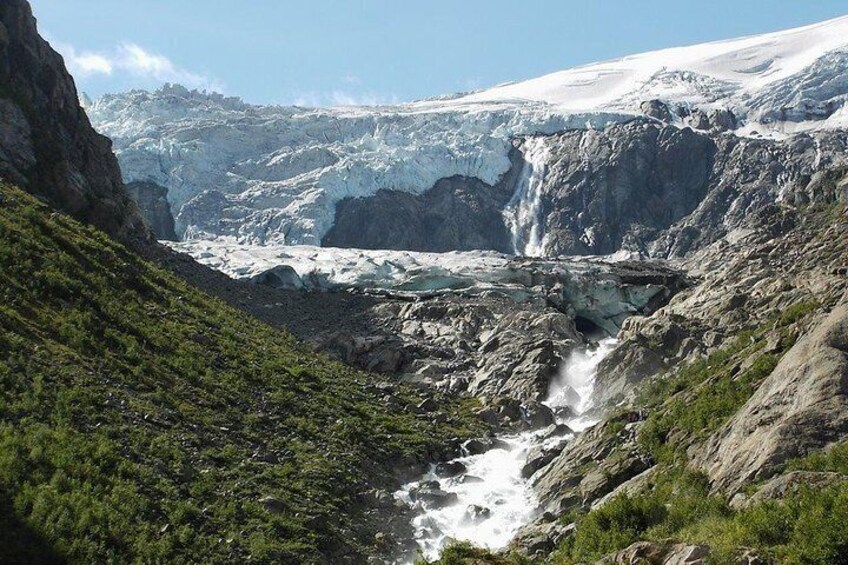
[[555, 430], [589, 467], [539, 456], [476, 514], [431, 493], [536, 415], [450, 469], [482, 445]]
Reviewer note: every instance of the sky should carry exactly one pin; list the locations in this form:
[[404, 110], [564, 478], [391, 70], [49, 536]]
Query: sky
[[338, 52]]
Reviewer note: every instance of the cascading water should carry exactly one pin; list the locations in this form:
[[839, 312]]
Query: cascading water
[[524, 210], [489, 500]]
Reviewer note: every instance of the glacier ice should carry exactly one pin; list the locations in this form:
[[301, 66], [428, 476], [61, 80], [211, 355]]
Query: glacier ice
[[273, 174]]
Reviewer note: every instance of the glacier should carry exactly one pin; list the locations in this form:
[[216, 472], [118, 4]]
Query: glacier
[[273, 174]]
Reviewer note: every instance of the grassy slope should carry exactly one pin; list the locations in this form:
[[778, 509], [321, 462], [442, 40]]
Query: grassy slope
[[142, 421]]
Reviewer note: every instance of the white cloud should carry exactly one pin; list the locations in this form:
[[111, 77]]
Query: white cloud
[[92, 63], [343, 98], [133, 60]]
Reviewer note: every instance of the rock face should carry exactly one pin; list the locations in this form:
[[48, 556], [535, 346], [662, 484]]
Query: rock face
[[662, 553], [662, 191], [589, 468], [648, 188], [458, 213], [775, 259], [47, 145], [784, 485], [801, 407], [153, 202], [273, 174], [493, 325]]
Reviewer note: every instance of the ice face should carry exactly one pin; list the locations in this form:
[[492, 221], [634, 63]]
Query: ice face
[[271, 174]]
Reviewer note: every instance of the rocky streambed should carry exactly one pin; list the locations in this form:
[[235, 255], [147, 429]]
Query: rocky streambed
[[487, 495], [523, 335]]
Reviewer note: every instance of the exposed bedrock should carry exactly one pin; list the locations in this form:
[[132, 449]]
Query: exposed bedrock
[[801, 407], [47, 145], [620, 187], [506, 341], [457, 214], [489, 324], [153, 202], [643, 186]]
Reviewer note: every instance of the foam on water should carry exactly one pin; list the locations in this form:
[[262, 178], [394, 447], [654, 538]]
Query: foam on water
[[493, 479], [523, 213]]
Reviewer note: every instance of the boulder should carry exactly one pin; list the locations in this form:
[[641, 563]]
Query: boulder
[[660, 553], [801, 407], [656, 109], [450, 469], [282, 277], [476, 514]]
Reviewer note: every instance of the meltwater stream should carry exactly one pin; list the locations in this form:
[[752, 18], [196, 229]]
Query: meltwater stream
[[489, 501], [523, 213]]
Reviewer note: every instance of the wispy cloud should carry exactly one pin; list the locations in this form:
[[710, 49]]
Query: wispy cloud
[[131, 60], [347, 96]]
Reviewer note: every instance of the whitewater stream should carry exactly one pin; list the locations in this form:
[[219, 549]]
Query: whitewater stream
[[489, 500], [523, 213]]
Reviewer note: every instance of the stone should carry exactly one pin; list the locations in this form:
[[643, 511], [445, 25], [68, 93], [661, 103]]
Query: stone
[[450, 469], [476, 514], [70, 165], [801, 407], [273, 505], [656, 109], [282, 277], [538, 457], [152, 201], [782, 486], [431, 493]]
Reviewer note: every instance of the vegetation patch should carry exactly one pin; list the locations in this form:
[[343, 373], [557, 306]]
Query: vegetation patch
[[143, 421]]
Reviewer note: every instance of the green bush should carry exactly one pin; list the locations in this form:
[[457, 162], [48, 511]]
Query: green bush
[[142, 421], [615, 525]]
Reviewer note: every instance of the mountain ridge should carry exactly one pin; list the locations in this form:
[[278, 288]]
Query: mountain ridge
[[276, 174]]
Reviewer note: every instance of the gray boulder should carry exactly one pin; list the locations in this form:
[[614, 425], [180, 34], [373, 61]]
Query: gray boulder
[[801, 407]]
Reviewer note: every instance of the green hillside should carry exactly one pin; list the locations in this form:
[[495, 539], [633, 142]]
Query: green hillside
[[142, 421]]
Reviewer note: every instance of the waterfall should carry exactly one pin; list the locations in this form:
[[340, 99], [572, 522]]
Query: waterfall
[[487, 500], [523, 213]]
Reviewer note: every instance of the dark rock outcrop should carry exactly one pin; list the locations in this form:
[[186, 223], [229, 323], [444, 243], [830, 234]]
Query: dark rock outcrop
[[645, 186], [504, 341], [457, 214], [152, 200], [47, 144]]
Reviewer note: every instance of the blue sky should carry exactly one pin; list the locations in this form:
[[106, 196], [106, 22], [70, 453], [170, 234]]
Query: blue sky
[[324, 52]]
